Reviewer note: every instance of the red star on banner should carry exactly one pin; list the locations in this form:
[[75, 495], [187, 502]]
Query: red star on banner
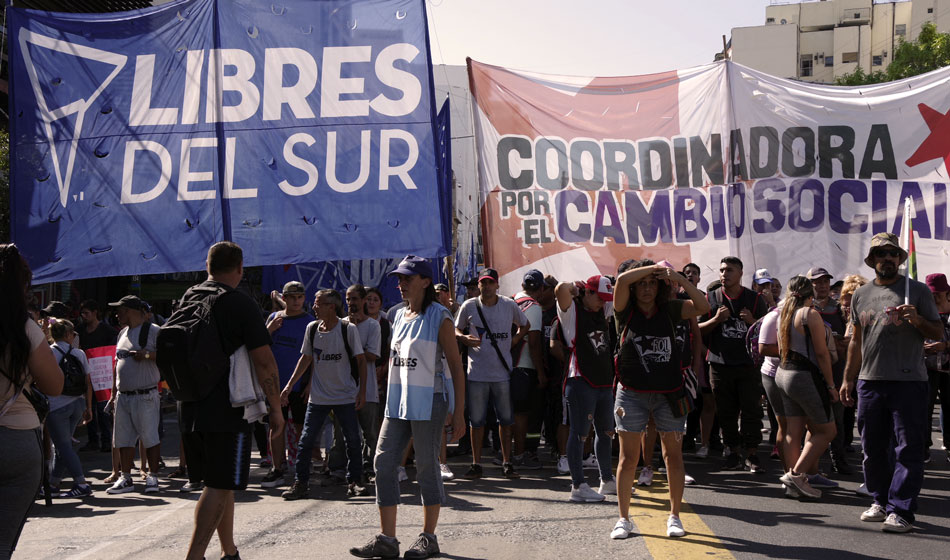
[[937, 144]]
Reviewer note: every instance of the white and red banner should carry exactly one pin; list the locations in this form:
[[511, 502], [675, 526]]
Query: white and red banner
[[101, 363], [577, 174]]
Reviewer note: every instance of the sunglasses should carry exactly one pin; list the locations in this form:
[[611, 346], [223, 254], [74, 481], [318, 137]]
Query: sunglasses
[[881, 253]]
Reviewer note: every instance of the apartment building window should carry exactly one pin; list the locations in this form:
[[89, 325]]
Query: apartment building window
[[900, 29], [806, 65], [829, 61], [877, 60], [930, 10], [849, 57], [770, 20]]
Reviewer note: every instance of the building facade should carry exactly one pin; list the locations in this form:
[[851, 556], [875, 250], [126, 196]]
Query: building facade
[[818, 41]]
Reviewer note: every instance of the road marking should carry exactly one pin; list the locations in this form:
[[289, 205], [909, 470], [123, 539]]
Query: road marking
[[136, 527], [649, 510]]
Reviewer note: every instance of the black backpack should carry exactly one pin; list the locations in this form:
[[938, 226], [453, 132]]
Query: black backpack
[[74, 377], [354, 369], [189, 353]]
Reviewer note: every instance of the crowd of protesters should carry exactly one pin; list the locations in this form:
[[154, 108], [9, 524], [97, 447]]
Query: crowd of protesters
[[354, 393]]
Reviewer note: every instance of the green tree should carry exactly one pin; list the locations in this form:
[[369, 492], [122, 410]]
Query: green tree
[[929, 51]]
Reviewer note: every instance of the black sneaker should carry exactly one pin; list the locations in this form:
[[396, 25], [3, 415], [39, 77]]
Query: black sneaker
[[235, 556], [733, 463], [474, 472], [379, 546], [426, 546], [298, 491], [752, 463], [508, 471], [841, 466], [273, 478]]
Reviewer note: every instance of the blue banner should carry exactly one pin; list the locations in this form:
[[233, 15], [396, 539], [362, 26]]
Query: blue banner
[[303, 130]]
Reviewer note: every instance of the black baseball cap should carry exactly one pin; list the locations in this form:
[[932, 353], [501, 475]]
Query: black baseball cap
[[131, 302]]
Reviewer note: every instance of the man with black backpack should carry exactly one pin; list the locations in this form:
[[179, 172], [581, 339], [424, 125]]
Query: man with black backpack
[[212, 321], [736, 382], [135, 398], [338, 385]]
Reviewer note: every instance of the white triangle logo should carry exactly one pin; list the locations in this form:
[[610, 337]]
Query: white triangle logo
[[77, 107]]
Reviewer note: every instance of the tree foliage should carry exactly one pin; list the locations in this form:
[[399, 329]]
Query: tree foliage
[[929, 51]]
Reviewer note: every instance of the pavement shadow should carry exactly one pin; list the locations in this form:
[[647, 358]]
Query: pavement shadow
[[94, 506]]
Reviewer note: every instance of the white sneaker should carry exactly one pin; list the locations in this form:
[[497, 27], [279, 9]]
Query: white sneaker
[[122, 485], [646, 476], [896, 524], [402, 474], [674, 527], [447, 473], [584, 493], [562, 466], [688, 480], [608, 488], [702, 452], [874, 513], [622, 529], [590, 463], [151, 484]]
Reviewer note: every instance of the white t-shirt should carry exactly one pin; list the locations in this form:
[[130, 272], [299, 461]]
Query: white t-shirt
[[58, 350], [132, 375], [768, 334], [483, 362], [370, 338], [332, 383], [533, 313]]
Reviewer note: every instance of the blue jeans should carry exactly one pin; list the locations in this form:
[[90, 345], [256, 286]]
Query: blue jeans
[[312, 424], [586, 404], [477, 394], [893, 422], [427, 440], [62, 423]]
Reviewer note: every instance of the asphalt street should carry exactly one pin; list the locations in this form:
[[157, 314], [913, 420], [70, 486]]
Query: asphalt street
[[726, 515]]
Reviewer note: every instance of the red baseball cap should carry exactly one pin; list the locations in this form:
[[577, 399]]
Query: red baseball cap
[[602, 286]]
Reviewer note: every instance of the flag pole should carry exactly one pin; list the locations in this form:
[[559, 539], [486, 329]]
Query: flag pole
[[909, 247]]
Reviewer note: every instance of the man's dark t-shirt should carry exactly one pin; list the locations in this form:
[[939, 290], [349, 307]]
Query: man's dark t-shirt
[[103, 335], [727, 340], [239, 324]]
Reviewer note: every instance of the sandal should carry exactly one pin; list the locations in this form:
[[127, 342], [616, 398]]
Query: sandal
[[178, 473], [111, 478]]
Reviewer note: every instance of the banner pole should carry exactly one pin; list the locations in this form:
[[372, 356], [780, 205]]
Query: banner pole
[[908, 244]]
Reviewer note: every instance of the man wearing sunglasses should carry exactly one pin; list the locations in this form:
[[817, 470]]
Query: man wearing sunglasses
[[885, 356]]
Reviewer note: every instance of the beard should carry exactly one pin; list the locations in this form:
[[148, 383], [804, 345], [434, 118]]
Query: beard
[[886, 271]]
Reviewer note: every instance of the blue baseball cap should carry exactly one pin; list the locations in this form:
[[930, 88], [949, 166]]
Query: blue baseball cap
[[533, 279], [412, 264]]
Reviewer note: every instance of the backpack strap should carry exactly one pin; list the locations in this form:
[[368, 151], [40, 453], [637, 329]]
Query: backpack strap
[[143, 334], [491, 337]]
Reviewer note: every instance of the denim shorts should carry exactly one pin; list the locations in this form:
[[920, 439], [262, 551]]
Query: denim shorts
[[477, 397], [632, 412], [136, 419]]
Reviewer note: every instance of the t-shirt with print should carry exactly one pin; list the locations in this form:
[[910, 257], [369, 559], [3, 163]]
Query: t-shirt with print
[[483, 362], [240, 323], [332, 383], [655, 364], [727, 339], [20, 415], [534, 314], [371, 338], [131, 374], [891, 351], [287, 341], [599, 338], [59, 350]]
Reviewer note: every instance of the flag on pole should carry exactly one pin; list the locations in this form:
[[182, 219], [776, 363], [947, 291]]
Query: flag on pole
[[911, 270], [910, 267]]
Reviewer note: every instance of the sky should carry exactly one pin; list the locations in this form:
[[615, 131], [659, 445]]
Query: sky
[[586, 37]]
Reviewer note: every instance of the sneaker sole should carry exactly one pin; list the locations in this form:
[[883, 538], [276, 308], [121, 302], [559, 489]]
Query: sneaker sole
[[121, 490], [587, 500], [619, 537], [873, 518], [899, 529]]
